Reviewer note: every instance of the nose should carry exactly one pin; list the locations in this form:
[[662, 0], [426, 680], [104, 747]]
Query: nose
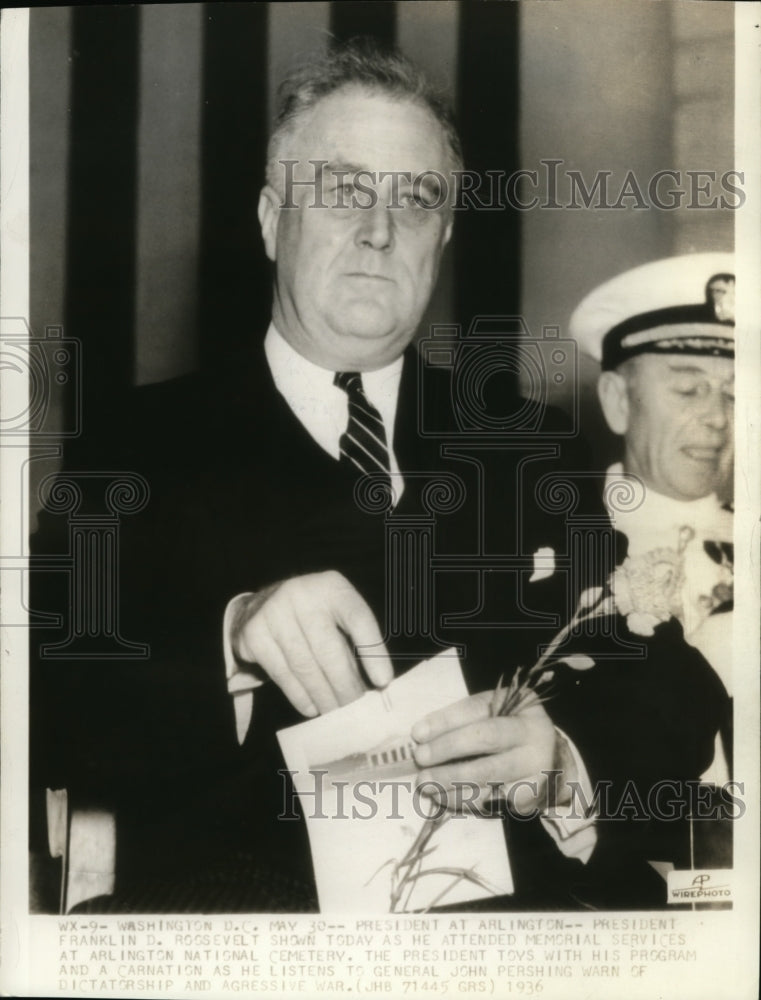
[[375, 228], [716, 412]]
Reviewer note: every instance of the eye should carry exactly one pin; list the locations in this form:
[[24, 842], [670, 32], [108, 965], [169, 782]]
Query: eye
[[346, 188], [423, 196], [690, 386], [413, 199], [340, 188]]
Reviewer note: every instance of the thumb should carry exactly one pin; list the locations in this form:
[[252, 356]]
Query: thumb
[[358, 621]]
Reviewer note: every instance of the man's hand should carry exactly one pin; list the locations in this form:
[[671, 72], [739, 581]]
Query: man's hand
[[499, 752], [302, 631]]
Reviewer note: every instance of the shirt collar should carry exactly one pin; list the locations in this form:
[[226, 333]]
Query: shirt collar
[[320, 406], [299, 380]]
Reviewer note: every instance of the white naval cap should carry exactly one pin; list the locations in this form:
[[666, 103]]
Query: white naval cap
[[679, 305]]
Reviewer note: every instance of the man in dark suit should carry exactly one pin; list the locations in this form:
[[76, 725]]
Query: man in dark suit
[[265, 550]]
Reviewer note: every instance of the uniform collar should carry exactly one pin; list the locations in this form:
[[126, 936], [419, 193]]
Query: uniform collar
[[639, 511]]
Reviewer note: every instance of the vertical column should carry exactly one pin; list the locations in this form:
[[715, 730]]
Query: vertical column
[[488, 244], [409, 553], [234, 283], [702, 66], [595, 97], [428, 33], [409, 577], [348, 18], [93, 618], [49, 102], [168, 190], [100, 259], [591, 551], [296, 32]]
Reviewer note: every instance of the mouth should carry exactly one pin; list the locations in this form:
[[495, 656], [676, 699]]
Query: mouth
[[702, 454], [366, 276]]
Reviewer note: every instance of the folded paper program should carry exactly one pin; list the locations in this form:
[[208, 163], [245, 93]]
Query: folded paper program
[[354, 773]]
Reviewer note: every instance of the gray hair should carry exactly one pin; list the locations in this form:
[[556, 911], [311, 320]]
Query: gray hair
[[361, 63]]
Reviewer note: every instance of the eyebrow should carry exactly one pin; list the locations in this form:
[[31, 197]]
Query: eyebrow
[[344, 168], [697, 370], [341, 166], [687, 370]]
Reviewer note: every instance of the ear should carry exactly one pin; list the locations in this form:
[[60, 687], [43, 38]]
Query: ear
[[269, 213], [614, 400]]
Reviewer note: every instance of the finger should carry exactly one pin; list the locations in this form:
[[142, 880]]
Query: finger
[[286, 631], [333, 657], [461, 713], [525, 796], [464, 797], [498, 771], [358, 621], [266, 652], [477, 739]]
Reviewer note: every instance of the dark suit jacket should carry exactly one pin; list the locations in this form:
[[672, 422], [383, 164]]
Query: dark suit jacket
[[240, 497]]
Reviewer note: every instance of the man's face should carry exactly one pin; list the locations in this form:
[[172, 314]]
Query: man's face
[[353, 278], [678, 430]]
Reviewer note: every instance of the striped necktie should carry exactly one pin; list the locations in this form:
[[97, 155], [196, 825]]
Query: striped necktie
[[363, 443]]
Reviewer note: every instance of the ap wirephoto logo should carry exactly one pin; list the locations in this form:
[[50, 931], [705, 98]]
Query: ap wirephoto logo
[[705, 886]]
